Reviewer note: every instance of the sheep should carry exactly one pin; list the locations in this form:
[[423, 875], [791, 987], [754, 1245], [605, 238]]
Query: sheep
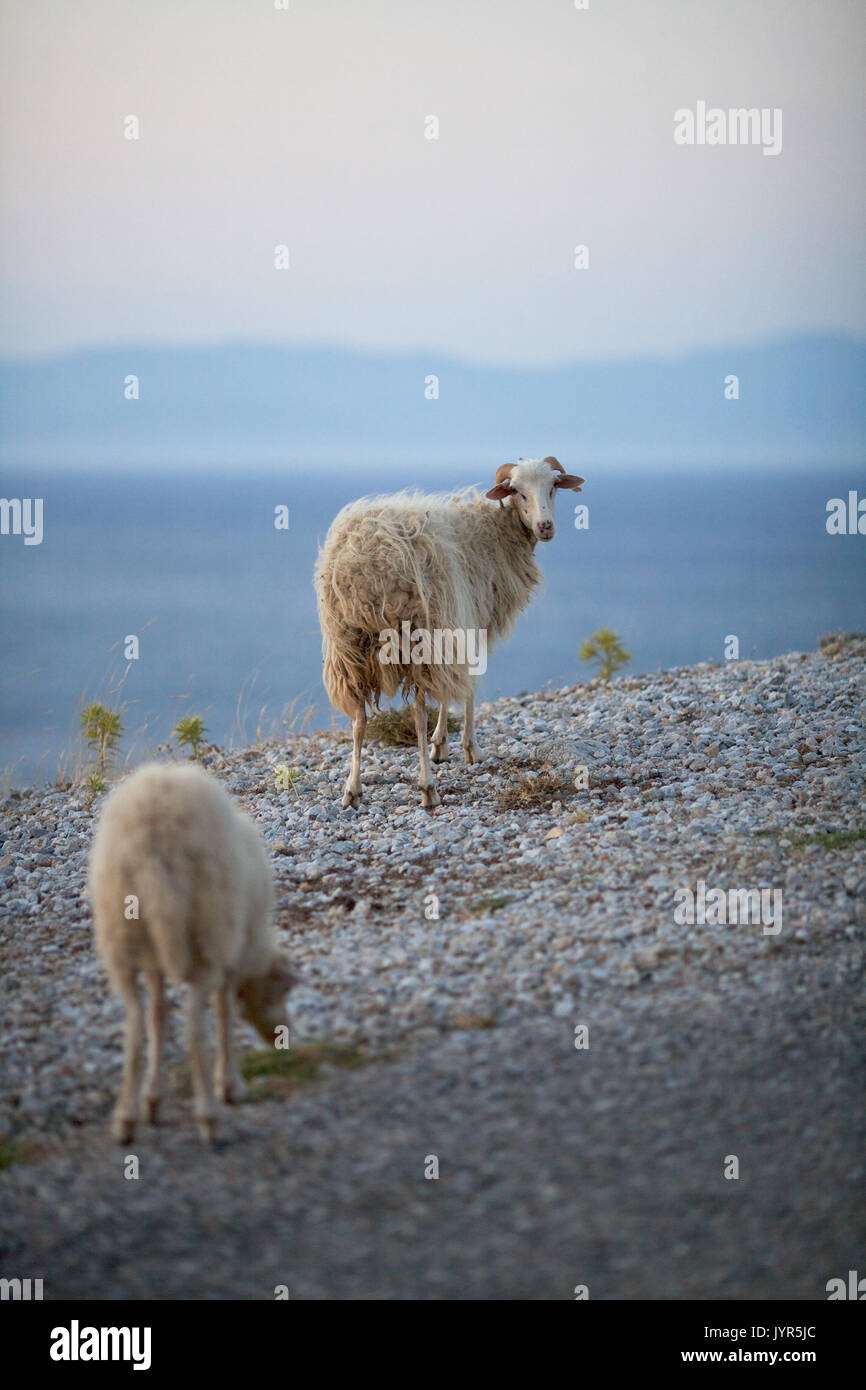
[[181, 887], [420, 562]]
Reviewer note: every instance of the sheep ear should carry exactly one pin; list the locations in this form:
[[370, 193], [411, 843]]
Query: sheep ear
[[497, 493], [570, 481]]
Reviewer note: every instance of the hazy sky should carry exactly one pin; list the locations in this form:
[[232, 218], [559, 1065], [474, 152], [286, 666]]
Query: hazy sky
[[307, 127]]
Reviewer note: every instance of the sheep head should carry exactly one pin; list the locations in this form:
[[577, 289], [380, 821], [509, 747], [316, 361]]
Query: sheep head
[[262, 999], [530, 486]]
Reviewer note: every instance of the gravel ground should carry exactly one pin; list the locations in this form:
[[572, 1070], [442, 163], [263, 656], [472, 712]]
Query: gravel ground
[[556, 908]]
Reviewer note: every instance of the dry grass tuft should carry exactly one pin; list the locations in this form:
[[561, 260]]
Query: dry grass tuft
[[535, 789], [396, 727]]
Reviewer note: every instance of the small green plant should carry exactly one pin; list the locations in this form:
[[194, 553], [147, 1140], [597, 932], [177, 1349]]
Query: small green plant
[[483, 906], [101, 729], [605, 647], [824, 839], [275, 1073], [18, 1151], [830, 839], [9, 1153], [285, 778], [189, 732]]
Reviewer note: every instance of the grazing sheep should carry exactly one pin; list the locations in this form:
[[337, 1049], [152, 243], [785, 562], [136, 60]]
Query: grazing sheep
[[181, 888], [419, 562]]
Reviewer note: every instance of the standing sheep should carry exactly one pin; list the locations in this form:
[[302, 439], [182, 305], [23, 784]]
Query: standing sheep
[[181, 888], [428, 563]]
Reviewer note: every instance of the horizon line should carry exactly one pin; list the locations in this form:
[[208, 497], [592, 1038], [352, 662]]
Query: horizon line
[[762, 342]]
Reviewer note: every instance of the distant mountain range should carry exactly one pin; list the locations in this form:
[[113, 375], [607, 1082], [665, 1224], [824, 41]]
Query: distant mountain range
[[800, 399]]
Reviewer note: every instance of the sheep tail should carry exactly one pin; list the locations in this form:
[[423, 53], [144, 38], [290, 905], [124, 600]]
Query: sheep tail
[[351, 672]]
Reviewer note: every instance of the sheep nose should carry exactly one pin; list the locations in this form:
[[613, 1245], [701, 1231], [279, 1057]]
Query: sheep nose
[[545, 530]]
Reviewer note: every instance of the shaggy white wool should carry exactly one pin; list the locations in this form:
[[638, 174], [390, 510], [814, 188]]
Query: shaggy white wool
[[181, 887], [432, 559], [170, 836], [428, 563]]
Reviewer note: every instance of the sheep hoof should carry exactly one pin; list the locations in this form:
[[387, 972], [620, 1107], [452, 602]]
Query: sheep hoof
[[208, 1128], [123, 1128], [233, 1092], [351, 799], [429, 798], [470, 752], [439, 752], [153, 1110]]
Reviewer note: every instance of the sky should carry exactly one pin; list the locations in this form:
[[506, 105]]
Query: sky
[[306, 127]]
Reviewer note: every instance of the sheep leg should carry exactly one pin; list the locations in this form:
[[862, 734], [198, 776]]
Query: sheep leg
[[203, 1103], [352, 792], [439, 750], [126, 1109], [227, 1079], [155, 1041], [426, 780], [470, 747]]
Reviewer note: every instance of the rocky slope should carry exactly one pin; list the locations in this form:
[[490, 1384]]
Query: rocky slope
[[459, 950]]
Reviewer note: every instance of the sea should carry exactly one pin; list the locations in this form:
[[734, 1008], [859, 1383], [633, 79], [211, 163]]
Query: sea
[[220, 598]]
